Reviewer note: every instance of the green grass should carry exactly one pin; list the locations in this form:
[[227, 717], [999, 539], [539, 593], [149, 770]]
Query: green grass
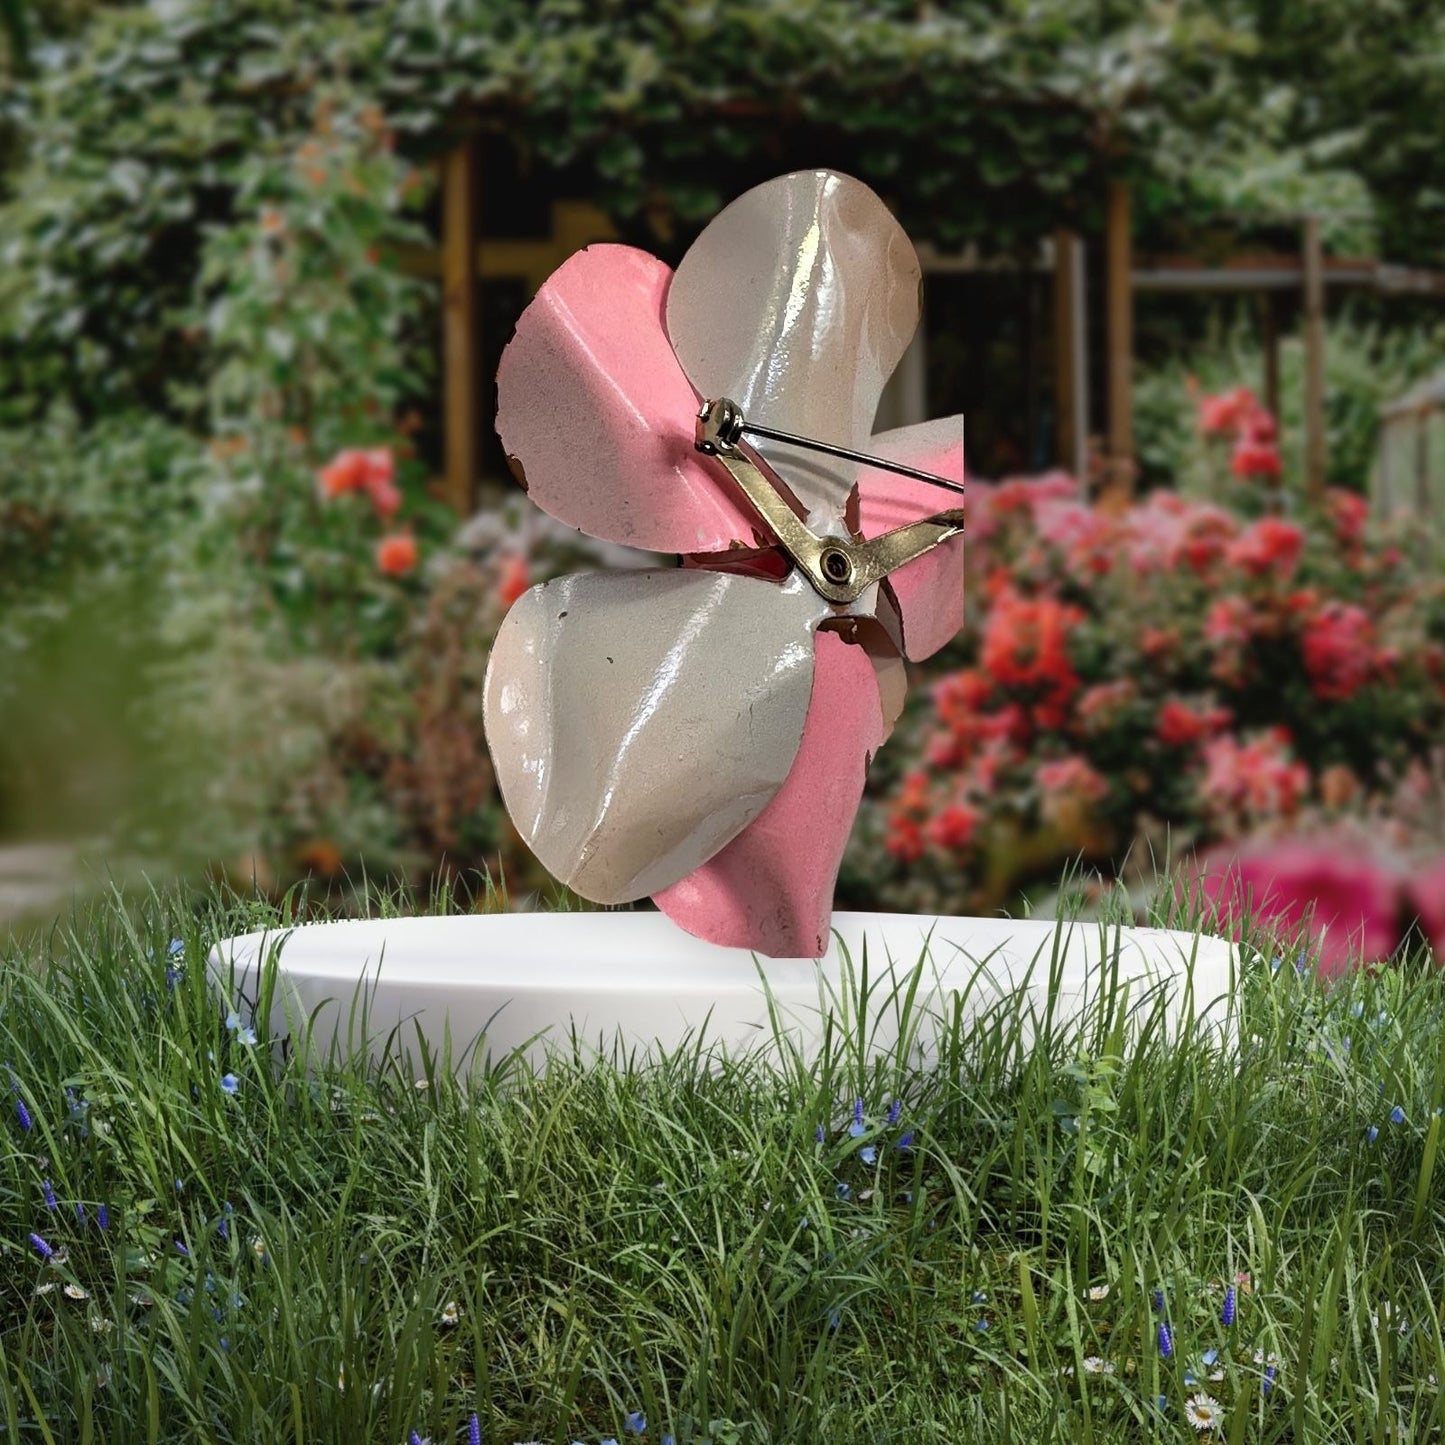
[[672, 1238]]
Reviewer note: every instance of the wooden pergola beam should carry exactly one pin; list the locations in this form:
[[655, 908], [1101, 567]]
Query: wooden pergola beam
[[1119, 305], [461, 346], [1071, 369], [1314, 339]]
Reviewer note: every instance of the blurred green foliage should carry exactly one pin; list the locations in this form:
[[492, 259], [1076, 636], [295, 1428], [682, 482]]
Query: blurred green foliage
[[982, 122], [1367, 365]]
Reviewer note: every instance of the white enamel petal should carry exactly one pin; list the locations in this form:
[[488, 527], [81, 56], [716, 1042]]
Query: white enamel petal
[[639, 721], [798, 301]]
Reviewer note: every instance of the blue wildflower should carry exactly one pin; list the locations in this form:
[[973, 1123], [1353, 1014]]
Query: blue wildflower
[[667, 1440], [49, 1193], [894, 1110], [1166, 1341], [175, 946], [868, 1154], [856, 1127], [1190, 1379], [841, 1190], [80, 1214], [233, 1021], [981, 1326], [180, 1185], [413, 1439], [609, 1441], [818, 1134], [1209, 1358], [1227, 1313], [247, 1036], [1268, 1383], [474, 1430], [635, 1423], [1158, 1301], [41, 1247], [1372, 1133], [979, 1297], [230, 1083], [1162, 1402], [23, 1114], [102, 1218], [1273, 968], [906, 1142], [1397, 1115], [181, 1249]]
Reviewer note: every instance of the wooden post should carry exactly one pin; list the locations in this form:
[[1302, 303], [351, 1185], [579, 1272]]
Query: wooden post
[[1422, 465], [1269, 341], [1314, 298], [461, 343], [1071, 405], [1119, 300]]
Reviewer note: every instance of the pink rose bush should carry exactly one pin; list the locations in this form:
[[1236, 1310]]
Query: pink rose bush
[[1334, 901], [1172, 675]]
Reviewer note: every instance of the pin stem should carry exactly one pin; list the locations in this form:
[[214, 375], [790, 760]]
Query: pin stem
[[851, 456]]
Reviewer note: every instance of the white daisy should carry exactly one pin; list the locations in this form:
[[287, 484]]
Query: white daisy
[[74, 1291], [451, 1312], [100, 1325], [46, 1287], [1203, 1412], [1098, 1292], [1097, 1365]]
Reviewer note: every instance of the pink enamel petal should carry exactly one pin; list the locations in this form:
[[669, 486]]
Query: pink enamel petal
[[798, 302], [638, 721], [596, 413], [771, 888], [929, 591]]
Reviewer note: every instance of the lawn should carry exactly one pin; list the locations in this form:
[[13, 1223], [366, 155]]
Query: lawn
[[203, 1238]]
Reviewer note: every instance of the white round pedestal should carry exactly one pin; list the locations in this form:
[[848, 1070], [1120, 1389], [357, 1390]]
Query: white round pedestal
[[635, 982]]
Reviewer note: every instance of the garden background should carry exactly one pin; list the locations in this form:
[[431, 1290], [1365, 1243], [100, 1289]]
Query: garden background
[[255, 536]]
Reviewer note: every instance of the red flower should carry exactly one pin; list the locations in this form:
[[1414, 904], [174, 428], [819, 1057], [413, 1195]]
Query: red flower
[[1330, 895], [346, 472], [904, 840], [1025, 646], [953, 828], [371, 471], [1255, 458], [1348, 511], [1159, 644], [1226, 411], [396, 555], [1339, 651], [514, 580], [1255, 780], [1269, 546], [1179, 726]]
